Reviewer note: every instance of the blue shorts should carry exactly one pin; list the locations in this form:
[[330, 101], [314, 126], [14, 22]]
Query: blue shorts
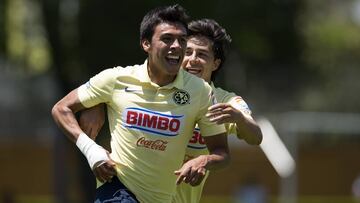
[[114, 192]]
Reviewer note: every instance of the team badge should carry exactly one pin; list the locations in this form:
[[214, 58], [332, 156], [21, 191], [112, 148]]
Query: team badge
[[181, 97]]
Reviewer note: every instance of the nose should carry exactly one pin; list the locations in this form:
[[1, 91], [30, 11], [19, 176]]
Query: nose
[[193, 59]]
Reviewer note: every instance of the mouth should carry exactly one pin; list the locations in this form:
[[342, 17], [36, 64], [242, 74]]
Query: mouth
[[194, 71], [173, 59]]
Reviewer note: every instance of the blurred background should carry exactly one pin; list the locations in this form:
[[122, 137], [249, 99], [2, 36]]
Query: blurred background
[[295, 62]]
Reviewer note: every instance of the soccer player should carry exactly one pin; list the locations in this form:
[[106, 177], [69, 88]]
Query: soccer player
[[152, 110], [204, 56]]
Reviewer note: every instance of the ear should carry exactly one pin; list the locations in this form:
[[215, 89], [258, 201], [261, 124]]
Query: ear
[[145, 45], [217, 63]]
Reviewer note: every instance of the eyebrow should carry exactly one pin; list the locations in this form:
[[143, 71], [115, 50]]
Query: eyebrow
[[200, 49], [172, 34]]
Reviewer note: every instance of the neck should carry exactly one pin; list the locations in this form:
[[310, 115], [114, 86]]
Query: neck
[[159, 77]]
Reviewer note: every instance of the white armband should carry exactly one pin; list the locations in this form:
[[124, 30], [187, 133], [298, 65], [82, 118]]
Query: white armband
[[94, 153]]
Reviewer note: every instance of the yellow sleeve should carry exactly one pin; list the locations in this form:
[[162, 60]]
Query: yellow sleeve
[[98, 89], [235, 101], [239, 104]]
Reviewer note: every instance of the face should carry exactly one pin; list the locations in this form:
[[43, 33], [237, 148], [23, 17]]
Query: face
[[199, 57], [165, 52]]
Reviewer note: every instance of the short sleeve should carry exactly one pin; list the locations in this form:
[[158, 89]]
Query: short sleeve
[[239, 104], [98, 89]]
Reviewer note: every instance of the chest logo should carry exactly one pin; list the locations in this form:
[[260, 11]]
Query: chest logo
[[153, 122], [181, 97]]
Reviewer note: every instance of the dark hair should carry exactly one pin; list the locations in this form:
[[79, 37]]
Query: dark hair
[[215, 33], [169, 14]]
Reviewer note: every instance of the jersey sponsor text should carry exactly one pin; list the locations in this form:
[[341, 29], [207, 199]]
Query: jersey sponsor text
[[153, 122], [152, 144]]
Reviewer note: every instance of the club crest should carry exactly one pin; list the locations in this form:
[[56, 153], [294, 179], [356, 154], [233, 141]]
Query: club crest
[[181, 97]]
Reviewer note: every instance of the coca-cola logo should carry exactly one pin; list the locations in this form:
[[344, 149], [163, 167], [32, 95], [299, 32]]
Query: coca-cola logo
[[152, 144]]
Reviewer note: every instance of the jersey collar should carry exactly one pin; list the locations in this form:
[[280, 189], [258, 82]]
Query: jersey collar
[[212, 85]]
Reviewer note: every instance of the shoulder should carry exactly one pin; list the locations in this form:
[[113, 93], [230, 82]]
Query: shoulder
[[112, 71], [222, 91], [119, 71], [194, 82], [111, 75], [222, 95]]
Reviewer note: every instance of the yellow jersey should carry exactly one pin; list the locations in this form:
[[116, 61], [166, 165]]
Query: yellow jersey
[[186, 193], [150, 125]]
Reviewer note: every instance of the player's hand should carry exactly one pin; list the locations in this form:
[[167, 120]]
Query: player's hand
[[105, 170], [246, 127], [221, 113], [192, 172]]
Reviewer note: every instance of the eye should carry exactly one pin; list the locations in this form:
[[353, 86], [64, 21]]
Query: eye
[[203, 55], [166, 39], [188, 52]]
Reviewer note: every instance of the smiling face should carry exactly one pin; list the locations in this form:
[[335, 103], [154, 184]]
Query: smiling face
[[199, 57], [165, 52]]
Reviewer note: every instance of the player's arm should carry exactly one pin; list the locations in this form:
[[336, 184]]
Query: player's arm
[[246, 126], [249, 130], [194, 170], [63, 113], [91, 120]]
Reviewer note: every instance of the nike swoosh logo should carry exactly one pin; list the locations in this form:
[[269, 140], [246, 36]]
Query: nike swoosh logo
[[127, 89]]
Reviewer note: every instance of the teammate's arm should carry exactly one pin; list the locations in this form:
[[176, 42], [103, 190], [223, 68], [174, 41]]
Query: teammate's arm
[[91, 120], [246, 126], [249, 130], [63, 113], [194, 170]]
